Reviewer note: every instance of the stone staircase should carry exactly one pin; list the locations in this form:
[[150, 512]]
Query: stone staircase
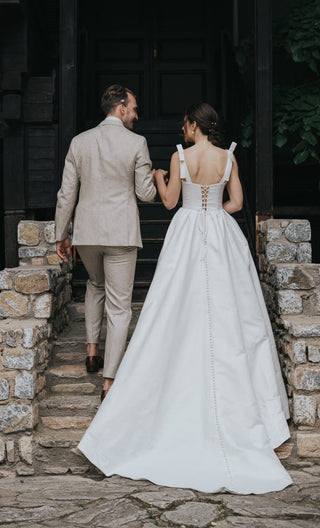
[[72, 397]]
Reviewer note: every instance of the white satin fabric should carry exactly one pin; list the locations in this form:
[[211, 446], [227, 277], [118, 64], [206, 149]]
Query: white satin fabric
[[198, 401]]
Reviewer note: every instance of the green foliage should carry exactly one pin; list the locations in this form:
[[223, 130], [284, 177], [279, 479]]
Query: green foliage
[[296, 109], [296, 119], [299, 35]]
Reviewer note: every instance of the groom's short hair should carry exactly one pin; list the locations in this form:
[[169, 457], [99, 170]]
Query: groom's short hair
[[113, 96]]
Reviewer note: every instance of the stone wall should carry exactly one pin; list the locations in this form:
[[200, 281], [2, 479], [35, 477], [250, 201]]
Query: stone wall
[[33, 301], [291, 286]]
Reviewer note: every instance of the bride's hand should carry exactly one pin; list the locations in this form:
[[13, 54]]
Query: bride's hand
[[160, 174]]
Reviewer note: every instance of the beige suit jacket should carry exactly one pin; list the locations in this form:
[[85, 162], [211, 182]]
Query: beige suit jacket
[[106, 169]]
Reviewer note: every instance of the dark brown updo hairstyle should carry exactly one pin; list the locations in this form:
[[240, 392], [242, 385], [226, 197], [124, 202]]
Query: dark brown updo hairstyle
[[113, 96], [207, 120]]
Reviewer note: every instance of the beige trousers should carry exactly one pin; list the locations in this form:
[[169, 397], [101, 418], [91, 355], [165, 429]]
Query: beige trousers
[[111, 271]]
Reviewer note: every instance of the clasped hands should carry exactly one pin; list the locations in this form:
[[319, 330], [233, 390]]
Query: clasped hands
[[159, 173]]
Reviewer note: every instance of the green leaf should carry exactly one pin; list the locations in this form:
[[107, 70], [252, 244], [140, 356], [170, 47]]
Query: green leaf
[[279, 140], [315, 155], [301, 157], [309, 137], [301, 145]]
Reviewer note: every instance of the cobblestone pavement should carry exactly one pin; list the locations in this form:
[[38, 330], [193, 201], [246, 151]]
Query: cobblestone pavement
[[74, 502]]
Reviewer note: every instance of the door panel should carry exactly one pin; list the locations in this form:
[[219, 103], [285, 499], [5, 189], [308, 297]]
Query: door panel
[[163, 53]]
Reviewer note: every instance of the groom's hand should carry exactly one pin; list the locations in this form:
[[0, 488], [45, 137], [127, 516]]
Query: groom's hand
[[63, 248], [153, 179]]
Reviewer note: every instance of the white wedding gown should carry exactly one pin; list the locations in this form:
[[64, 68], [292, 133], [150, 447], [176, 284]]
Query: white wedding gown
[[198, 401]]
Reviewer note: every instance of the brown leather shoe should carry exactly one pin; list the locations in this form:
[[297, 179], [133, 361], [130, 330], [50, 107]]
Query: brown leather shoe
[[104, 393], [94, 363]]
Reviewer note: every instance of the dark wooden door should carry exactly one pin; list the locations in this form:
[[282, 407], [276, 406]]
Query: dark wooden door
[[169, 56], [166, 55]]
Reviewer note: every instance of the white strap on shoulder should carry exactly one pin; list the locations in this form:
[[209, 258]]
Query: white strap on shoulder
[[228, 169], [180, 151], [232, 146], [184, 174]]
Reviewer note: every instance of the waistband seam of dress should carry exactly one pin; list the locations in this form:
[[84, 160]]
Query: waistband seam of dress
[[199, 209]]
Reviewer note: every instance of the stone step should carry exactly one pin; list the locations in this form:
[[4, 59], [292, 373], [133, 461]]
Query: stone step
[[76, 310], [62, 438], [70, 354], [73, 379], [66, 422], [76, 388], [62, 404], [74, 335], [56, 452], [71, 401], [71, 371]]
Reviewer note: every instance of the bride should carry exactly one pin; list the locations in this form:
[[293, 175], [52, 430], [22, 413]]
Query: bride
[[199, 400]]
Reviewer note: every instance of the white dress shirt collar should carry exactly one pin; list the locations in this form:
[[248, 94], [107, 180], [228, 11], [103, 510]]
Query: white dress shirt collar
[[113, 117]]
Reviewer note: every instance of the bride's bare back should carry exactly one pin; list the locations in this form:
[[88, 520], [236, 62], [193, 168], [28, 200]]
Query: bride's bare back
[[206, 163]]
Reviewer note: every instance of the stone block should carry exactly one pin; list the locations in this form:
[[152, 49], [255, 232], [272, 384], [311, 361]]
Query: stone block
[[2, 451], [32, 282], [273, 231], [25, 449], [293, 277], [35, 333], [298, 231], [24, 385], [53, 259], [304, 252], [28, 233], [43, 352], [16, 417], [314, 353], [304, 409], [308, 444], [4, 389], [11, 338], [296, 350], [302, 326], [40, 384], [13, 304], [305, 377], [5, 280], [23, 470], [43, 305], [289, 302], [20, 359], [38, 261], [10, 450], [281, 251], [49, 232], [314, 303], [32, 252]]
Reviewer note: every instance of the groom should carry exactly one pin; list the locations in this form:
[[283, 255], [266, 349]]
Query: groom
[[106, 169]]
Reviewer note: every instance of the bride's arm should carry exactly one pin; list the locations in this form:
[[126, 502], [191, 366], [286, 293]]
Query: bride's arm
[[234, 187], [170, 193]]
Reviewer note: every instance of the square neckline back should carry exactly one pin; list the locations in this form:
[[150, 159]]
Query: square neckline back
[[224, 178]]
